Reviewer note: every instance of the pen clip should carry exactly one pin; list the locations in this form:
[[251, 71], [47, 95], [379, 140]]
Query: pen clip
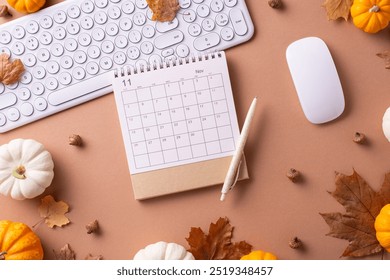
[[237, 175]]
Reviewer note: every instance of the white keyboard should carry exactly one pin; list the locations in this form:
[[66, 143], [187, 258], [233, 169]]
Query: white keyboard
[[71, 49]]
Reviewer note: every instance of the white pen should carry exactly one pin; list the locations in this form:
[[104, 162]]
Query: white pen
[[236, 160]]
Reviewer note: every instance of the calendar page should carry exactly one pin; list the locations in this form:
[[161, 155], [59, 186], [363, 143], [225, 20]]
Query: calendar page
[[177, 113]]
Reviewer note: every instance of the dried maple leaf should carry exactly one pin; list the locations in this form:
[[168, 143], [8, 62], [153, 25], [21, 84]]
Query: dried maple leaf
[[10, 72], [91, 257], [386, 56], [53, 211], [216, 245], [362, 205], [163, 10], [65, 253], [336, 9]]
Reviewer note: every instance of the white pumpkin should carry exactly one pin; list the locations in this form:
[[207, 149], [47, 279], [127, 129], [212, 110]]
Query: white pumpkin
[[26, 169], [386, 124], [163, 251]]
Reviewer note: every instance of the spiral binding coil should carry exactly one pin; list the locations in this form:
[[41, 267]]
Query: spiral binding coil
[[129, 70]]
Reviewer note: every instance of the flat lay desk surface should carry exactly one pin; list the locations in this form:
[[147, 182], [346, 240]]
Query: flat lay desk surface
[[266, 210]]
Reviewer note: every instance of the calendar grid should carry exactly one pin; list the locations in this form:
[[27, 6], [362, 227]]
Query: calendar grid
[[178, 121]]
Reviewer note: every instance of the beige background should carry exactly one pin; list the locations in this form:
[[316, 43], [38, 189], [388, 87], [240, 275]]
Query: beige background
[[266, 210]]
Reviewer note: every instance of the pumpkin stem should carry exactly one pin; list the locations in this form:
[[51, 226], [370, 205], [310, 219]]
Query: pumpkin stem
[[2, 255], [374, 9], [19, 172]]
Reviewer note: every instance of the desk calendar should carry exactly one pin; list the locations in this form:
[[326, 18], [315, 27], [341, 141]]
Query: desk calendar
[[176, 114]]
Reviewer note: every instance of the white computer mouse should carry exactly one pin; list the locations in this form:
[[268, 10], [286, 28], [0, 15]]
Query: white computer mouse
[[316, 80]]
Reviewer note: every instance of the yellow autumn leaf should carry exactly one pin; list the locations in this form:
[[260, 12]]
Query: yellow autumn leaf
[[53, 212], [336, 9]]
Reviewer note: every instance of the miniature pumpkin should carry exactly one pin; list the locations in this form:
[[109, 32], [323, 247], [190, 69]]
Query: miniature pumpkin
[[382, 227], [26, 6], [371, 15], [259, 255], [19, 242], [163, 251], [26, 169], [386, 124]]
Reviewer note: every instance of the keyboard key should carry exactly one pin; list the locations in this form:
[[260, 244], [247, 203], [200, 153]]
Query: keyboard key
[[189, 16], [39, 72], [227, 34], [5, 50], [7, 100], [203, 11], [98, 34], [167, 52], [3, 119], [57, 50], [77, 90], [208, 24], [141, 64], [139, 19], [141, 4], [125, 24], [87, 6], [18, 48], [155, 59], [38, 89], [80, 57], [147, 47], [29, 60], [23, 93], [46, 38], [238, 22], [133, 53], [230, 3], [66, 62], [127, 7], [32, 43], [53, 67], [78, 73], [119, 58], [26, 78], [182, 50], [198, 1], [84, 39], [27, 109], [46, 22], [194, 29], [216, 5], [60, 17], [92, 68], [13, 114], [13, 86], [120, 41], [107, 47], [184, 4], [206, 41], [40, 104], [148, 31], [169, 39], [112, 29], [167, 25], [18, 32], [86, 23], [74, 11], [100, 17], [93, 52], [5, 37], [101, 3], [114, 12], [222, 19], [32, 27], [73, 28], [135, 36], [59, 33], [65, 78], [105, 63], [51, 83], [70, 44]]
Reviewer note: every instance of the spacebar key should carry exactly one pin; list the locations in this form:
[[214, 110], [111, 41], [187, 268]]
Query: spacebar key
[[80, 89]]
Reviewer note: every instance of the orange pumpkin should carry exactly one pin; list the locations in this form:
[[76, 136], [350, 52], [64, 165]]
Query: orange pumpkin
[[26, 6], [259, 255], [19, 242], [371, 15]]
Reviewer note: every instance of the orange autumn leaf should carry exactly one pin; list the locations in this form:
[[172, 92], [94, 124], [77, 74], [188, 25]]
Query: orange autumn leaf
[[65, 253], [53, 212], [336, 9], [217, 244], [163, 10], [386, 57], [10, 72], [362, 205]]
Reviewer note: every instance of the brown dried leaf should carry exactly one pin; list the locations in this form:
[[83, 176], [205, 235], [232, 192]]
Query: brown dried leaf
[[10, 72], [386, 56], [163, 10], [91, 257], [336, 9], [53, 212], [362, 205], [216, 245], [65, 253]]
